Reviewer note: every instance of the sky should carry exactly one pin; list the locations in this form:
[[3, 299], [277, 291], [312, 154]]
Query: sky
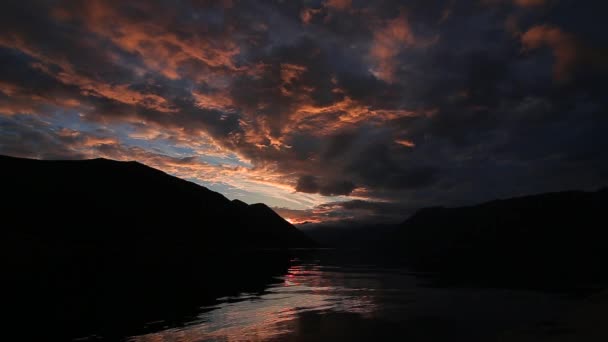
[[328, 111]]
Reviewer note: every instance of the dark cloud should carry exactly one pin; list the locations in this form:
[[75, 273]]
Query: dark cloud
[[353, 212], [311, 184], [22, 136], [392, 105]]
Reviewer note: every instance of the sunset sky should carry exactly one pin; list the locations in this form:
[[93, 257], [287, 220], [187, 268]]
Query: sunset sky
[[326, 110]]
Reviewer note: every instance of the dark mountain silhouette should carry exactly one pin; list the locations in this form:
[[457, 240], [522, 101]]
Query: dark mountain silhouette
[[352, 235], [104, 200], [101, 247], [557, 238]]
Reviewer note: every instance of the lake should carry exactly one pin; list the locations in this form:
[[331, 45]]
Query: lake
[[334, 296]]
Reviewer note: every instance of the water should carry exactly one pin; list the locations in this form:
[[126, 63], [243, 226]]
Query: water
[[320, 298]]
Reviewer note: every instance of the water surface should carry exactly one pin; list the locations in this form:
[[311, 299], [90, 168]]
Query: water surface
[[320, 298]]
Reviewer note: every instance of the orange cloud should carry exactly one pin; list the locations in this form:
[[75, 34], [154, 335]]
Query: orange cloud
[[564, 46], [120, 92], [389, 41], [301, 220], [405, 142], [258, 133], [64, 72], [322, 120], [20, 100], [160, 49], [339, 5], [290, 73], [336, 211], [14, 107], [215, 101], [87, 140], [14, 103], [307, 14]]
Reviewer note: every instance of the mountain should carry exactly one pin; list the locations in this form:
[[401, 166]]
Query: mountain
[[350, 236], [101, 247], [104, 200], [553, 237]]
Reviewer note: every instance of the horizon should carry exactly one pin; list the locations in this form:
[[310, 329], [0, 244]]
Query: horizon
[[305, 225], [327, 111]]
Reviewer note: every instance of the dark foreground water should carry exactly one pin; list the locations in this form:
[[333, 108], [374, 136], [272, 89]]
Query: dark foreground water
[[327, 298]]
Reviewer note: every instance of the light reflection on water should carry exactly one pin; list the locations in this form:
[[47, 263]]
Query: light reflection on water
[[305, 288], [355, 295]]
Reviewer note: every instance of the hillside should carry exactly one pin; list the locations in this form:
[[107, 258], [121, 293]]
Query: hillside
[[106, 247], [104, 200], [553, 237]]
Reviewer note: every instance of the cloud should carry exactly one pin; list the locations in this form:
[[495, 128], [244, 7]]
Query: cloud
[[307, 14], [389, 40], [352, 212], [215, 100], [161, 49], [311, 184], [339, 5], [565, 48], [338, 110], [290, 73], [405, 142], [571, 55]]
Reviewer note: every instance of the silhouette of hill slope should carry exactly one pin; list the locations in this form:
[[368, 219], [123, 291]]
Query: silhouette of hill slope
[[101, 247], [98, 200], [548, 237]]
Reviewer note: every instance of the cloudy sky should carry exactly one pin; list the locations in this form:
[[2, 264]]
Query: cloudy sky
[[326, 110]]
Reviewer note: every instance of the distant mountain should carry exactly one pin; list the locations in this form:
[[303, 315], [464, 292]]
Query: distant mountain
[[357, 236], [552, 237], [104, 200]]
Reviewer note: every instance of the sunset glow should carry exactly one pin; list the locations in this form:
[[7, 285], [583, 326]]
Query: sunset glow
[[326, 110]]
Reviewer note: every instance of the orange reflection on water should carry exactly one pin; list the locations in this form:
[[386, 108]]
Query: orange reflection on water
[[305, 288]]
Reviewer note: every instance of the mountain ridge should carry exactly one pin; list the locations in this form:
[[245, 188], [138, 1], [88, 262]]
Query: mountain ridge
[[106, 189], [555, 237]]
